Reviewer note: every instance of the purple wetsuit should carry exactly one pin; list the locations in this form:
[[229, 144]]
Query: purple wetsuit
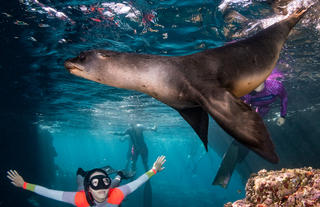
[[261, 101]]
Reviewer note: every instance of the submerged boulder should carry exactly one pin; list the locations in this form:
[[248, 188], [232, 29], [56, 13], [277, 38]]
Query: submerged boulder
[[286, 187]]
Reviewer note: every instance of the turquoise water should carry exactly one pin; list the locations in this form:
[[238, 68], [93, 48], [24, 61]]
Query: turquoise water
[[53, 122]]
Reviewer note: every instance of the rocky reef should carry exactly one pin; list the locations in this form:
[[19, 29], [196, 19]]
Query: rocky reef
[[286, 187]]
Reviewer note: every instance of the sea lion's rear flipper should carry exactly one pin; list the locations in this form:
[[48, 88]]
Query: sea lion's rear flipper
[[198, 119], [239, 120], [235, 154]]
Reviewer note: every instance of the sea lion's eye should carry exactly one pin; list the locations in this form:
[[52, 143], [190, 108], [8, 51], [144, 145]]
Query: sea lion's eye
[[102, 55]]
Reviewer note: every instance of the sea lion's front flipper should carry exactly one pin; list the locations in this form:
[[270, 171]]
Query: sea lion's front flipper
[[239, 120], [235, 154], [198, 119]]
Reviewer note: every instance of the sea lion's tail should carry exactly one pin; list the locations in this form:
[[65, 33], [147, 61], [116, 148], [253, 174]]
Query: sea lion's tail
[[239, 120], [236, 118]]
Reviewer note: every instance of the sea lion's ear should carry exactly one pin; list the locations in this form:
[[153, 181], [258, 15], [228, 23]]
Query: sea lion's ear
[[102, 55]]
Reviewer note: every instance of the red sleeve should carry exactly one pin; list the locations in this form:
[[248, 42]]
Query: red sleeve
[[80, 199], [115, 196]]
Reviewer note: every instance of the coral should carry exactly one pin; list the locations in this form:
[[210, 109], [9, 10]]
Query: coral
[[286, 187]]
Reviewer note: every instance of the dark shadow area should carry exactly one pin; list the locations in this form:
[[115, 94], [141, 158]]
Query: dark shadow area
[[20, 140]]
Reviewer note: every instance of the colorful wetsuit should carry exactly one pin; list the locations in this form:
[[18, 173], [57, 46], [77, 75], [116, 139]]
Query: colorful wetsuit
[[114, 198], [261, 100]]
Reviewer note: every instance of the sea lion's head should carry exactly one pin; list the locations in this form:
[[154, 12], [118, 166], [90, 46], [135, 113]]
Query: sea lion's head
[[89, 64]]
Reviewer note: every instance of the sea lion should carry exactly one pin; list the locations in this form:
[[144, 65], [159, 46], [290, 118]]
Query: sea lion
[[210, 81]]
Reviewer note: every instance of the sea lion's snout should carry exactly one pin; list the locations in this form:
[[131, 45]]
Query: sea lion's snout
[[72, 66], [73, 63], [80, 62], [68, 64]]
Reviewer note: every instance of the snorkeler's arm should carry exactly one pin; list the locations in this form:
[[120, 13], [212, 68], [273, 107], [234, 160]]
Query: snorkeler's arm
[[118, 194], [18, 181]]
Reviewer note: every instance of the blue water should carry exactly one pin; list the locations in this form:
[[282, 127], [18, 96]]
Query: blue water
[[53, 122]]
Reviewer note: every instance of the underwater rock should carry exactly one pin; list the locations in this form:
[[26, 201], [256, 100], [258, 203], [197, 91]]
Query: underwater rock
[[286, 187]]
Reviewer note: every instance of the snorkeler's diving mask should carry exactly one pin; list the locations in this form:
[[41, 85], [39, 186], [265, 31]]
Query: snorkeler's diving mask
[[99, 182]]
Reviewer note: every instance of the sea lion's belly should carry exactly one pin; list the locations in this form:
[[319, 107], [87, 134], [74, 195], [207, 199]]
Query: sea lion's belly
[[170, 94], [168, 88]]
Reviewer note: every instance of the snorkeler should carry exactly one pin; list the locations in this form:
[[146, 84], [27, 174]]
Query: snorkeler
[[97, 190], [260, 99], [137, 146]]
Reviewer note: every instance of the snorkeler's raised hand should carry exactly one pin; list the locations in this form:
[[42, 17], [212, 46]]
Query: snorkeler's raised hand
[[280, 121], [15, 178], [157, 165]]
